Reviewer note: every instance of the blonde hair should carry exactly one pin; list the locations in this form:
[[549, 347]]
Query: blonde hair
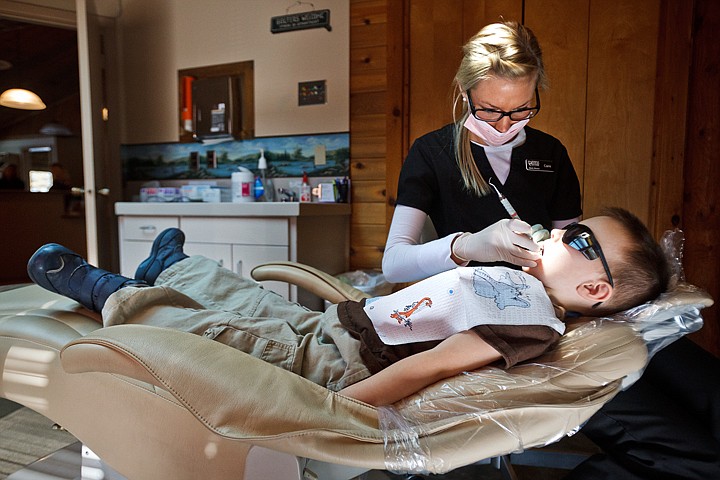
[[507, 50]]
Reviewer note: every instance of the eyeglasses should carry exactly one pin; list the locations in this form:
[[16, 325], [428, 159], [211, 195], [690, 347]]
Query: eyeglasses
[[492, 115], [582, 239]]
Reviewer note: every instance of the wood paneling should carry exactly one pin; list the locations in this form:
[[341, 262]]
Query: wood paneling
[[478, 13], [368, 191], [368, 128], [369, 234], [368, 146], [701, 213], [565, 53], [368, 169], [435, 52], [671, 105], [368, 213], [622, 54]]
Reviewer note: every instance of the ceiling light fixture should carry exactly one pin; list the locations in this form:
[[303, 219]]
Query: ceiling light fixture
[[21, 99]]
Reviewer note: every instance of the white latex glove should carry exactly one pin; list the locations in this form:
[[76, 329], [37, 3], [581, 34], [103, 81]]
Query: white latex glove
[[507, 241]]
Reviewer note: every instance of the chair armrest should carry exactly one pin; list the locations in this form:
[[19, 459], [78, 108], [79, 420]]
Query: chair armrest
[[311, 279]]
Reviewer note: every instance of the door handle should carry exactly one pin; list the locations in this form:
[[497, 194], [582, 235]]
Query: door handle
[[80, 191]]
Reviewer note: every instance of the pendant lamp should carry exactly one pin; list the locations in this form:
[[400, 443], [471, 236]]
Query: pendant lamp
[[21, 99]]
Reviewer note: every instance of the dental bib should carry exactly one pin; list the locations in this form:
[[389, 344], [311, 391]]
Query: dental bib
[[459, 299]]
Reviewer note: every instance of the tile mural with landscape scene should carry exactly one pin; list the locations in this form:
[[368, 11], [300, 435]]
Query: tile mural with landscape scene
[[286, 157]]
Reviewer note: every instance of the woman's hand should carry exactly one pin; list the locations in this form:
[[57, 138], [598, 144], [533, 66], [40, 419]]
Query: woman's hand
[[504, 241]]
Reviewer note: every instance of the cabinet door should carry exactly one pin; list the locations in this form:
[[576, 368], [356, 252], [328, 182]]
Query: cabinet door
[[247, 257], [221, 253], [132, 253]]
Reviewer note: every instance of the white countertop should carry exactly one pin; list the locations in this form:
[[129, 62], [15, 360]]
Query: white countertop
[[249, 209]]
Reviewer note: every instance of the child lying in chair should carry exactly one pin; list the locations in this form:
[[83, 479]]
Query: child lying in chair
[[383, 349]]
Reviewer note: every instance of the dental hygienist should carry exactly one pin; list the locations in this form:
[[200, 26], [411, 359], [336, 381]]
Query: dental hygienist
[[456, 175]]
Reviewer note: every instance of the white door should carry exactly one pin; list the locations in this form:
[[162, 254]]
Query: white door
[[101, 163]]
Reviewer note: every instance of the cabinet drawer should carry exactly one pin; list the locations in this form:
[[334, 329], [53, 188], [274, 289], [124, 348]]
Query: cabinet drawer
[[245, 231], [145, 228]]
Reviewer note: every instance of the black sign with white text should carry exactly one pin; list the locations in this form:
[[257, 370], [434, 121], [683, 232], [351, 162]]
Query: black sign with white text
[[301, 21]]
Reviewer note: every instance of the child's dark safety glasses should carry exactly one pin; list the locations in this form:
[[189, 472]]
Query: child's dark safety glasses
[[581, 238]]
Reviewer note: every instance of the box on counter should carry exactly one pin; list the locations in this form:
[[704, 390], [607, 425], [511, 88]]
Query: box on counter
[[159, 194]]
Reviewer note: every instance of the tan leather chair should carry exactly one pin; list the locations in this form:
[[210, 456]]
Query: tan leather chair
[[157, 403]]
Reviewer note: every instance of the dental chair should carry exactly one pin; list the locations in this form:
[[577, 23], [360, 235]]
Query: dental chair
[[155, 403]]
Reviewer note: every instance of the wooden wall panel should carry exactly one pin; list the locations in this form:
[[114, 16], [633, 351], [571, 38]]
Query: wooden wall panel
[[368, 191], [368, 128], [398, 105], [701, 212], [438, 30], [369, 234], [620, 107], [671, 105], [435, 52], [368, 169], [368, 147], [478, 13], [563, 35]]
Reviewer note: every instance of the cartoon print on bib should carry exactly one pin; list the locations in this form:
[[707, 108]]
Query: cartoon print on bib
[[505, 291], [458, 300], [403, 316]]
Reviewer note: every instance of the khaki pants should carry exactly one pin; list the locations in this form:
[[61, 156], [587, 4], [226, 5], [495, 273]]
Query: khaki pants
[[196, 295]]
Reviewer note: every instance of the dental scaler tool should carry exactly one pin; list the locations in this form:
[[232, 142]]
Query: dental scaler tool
[[505, 202], [538, 232]]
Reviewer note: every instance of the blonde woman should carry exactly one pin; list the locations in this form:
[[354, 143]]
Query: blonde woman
[[456, 175]]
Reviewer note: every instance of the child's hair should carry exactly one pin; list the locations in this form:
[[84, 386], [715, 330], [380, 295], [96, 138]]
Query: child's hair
[[642, 273], [506, 50]]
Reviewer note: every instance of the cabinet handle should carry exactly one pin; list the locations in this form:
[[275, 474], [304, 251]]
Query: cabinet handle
[[148, 228], [239, 268]]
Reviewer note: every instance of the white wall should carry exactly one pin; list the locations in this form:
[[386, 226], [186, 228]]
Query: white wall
[[159, 37]]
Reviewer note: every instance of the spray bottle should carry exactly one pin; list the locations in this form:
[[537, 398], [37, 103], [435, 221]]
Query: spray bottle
[[305, 189]]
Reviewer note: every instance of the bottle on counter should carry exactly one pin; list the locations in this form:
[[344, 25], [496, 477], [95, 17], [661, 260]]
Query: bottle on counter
[[243, 186], [262, 182], [259, 190], [305, 190]]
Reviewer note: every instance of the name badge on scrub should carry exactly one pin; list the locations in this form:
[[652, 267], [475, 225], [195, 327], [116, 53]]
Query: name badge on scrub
[[539, 166]]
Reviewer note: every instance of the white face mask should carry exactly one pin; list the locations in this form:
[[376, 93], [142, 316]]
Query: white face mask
[[489, 135]]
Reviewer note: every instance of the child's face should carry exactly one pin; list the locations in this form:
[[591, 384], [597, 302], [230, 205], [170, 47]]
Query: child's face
[[564, 270]]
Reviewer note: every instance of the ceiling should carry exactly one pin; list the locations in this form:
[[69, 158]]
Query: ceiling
[[42, 59]]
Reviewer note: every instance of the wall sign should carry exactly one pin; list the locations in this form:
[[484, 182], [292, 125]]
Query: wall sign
[[301, 21]]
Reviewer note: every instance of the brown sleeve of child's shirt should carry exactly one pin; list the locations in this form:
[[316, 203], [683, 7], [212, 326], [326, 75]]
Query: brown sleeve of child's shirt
[[517, 343]]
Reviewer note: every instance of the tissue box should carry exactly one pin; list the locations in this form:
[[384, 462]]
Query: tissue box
[[159, 194]]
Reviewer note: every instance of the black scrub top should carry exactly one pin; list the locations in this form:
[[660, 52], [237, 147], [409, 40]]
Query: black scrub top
[[542, 184]]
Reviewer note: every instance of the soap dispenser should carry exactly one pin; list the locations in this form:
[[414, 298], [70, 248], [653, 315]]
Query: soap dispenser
[[265, 193]]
